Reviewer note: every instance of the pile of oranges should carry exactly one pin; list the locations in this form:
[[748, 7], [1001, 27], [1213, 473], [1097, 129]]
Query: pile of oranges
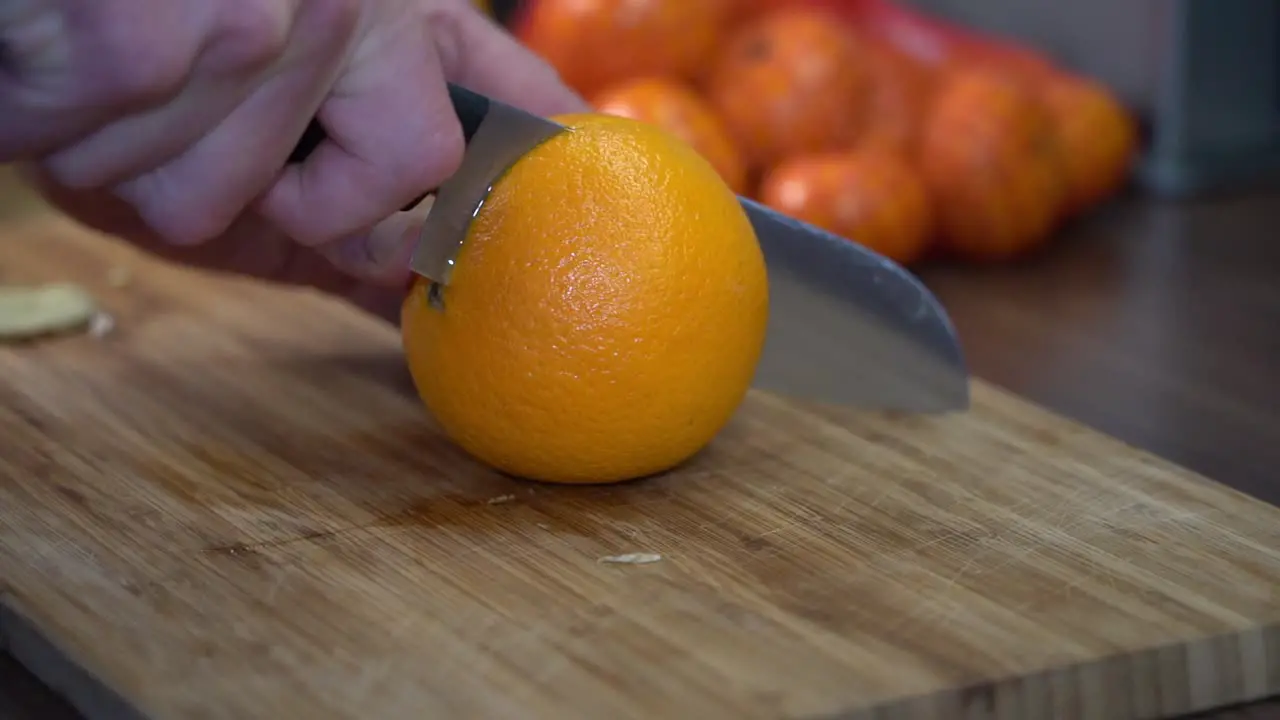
[[848, 127]]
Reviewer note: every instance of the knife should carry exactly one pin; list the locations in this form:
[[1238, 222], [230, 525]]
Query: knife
[[847, 326]]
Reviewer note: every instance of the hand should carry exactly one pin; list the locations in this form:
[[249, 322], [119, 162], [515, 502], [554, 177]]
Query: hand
[[168, 122]]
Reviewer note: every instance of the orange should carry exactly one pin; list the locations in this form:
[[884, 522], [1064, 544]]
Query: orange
[[1099, 138], [674, 105], [790, 81], [902, 88], [606, 311], [873, 197], [747, 9], [991, 158], [595, 43]]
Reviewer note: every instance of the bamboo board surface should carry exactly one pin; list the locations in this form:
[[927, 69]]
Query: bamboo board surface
[[233, 506]]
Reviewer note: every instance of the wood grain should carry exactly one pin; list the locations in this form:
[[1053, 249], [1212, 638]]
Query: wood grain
[[234, 506], [1152, 322]]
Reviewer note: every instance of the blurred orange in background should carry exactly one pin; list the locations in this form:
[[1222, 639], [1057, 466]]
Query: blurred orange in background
[[901, 90], [596, 43], [1099, 138], [674, 105], [871, 119], [870, 194], [989, 155], [790, 81]]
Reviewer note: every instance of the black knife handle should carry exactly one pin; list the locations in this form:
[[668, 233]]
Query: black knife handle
[[471, 109]]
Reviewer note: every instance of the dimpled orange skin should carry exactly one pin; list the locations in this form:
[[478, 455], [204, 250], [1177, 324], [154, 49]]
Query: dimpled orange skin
[[606, 313], [674, 106]]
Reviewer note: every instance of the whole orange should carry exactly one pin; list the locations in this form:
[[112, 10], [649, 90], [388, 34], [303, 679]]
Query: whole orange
[[993, 165], [901, 90], [1098, 136], [790, 81], [606, 311], [595, 43], [874, 197], [673, 105]]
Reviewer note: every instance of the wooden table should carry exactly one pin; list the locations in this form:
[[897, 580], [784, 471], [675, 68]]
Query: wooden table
[[1149, 322]]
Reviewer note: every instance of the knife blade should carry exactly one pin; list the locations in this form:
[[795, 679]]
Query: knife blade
[[847, 326]]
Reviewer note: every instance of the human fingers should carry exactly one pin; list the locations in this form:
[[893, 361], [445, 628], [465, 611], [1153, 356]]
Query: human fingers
[[246, 39], [392, 134], [71, 66], [250, 247], [198, 194], [480, 55], [477, 53], [382, 253]]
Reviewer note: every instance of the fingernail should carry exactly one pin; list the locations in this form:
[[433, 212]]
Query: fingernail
[[352, 255], [382, 254]]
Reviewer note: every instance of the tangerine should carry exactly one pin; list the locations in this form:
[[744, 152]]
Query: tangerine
[[872, 196], [596, 43], [901, 90], [1099, 138], [993, 165], [790, 81]]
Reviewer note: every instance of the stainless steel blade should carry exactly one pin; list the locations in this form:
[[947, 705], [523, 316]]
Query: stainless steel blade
[[849, 327], [504, 136]]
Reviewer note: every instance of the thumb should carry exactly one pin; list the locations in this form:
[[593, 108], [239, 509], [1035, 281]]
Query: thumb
[[381, 254], [479, 54]]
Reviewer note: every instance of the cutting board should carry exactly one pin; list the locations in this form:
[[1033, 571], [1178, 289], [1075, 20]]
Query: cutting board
[[234, 506]]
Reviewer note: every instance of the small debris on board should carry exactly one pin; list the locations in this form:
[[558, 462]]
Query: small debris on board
[[32, 311], [631, 559], [501, 499], [101, 325], [119, 276]]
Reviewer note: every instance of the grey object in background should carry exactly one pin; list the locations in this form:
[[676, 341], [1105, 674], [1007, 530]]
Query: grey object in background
[[1204, 74]]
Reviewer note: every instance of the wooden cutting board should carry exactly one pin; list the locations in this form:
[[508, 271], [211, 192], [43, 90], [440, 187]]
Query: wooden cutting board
[[233, 506]]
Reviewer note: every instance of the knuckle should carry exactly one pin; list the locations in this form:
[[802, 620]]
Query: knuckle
[[409, 174], [137, 77], [139, 71], [337, 19], [252, 34]]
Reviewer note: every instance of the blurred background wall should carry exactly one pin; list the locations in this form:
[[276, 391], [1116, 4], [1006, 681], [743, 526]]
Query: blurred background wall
[[1203, 74]]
